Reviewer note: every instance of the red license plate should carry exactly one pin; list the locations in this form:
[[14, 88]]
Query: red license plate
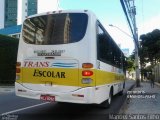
[[47, 98]]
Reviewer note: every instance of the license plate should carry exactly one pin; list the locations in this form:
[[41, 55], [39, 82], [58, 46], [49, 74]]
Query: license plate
[[47, 98]]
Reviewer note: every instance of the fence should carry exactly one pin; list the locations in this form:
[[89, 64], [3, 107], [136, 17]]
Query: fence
[[156, 70]]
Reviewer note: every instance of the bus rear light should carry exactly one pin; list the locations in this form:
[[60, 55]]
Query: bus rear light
[[87, 73], [18, 70], [18, 64], [77, 95], [87, 65], [86, 81]]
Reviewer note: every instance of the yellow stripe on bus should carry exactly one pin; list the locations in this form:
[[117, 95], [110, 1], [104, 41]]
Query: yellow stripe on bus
[[67, 76], [103, 77]]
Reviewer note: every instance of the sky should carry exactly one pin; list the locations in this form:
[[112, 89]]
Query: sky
[[111, 12]]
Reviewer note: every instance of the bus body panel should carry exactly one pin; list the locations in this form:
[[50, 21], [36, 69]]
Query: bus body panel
[[87, 94]]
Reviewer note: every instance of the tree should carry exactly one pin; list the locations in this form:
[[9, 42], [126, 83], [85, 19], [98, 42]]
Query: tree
[[130, 66], [8, 57], [150, 47], [149, 50]]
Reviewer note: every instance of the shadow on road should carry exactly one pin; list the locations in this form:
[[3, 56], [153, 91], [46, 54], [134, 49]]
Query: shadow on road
[[68, 111]]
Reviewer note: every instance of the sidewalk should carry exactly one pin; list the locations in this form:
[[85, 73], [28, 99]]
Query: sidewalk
[[6, 89], [146, 104]]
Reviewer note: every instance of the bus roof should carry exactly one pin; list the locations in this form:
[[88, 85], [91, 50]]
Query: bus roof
[[62, 11]]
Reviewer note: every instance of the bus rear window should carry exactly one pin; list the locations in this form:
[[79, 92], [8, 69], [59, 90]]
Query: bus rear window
[[55, 28]]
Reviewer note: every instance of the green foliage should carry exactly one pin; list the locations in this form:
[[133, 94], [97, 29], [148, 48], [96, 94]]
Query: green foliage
[[8, 57], [150, 48], [130, 66]]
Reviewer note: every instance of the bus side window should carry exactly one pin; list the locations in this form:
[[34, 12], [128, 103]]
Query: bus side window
[[102, 45], [107, 50]]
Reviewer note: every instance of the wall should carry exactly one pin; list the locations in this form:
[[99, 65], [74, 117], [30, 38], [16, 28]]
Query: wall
[[156, 71]]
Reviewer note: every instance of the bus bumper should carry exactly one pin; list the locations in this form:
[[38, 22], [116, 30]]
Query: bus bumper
[[82, 95]]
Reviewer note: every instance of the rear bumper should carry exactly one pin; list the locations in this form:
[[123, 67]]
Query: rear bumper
[[87, 94]]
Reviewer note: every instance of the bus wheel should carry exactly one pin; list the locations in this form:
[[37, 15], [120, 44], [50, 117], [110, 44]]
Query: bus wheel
[[122, 91], [107, 103]]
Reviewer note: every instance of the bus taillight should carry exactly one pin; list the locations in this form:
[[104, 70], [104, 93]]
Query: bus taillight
[[18, 70], [18, 64], [87, 65], [87, 73]]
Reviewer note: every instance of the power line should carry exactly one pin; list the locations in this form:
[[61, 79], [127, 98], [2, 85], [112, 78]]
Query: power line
[[130, 13]]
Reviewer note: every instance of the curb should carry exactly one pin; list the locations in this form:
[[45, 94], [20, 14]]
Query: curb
[[158, 84], [125, 100], [5, 89], [132, 87]]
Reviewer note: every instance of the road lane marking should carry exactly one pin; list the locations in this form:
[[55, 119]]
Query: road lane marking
[[17, 110]]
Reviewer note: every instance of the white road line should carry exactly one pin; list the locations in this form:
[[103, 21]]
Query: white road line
[[17, 110]]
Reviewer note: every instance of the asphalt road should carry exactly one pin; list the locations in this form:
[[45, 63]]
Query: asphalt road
[[17, 108]]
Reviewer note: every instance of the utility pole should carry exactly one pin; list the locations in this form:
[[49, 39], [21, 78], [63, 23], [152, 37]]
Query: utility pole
[[130, 13]]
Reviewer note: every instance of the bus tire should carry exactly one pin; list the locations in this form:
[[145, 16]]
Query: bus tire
[[61, 103], [107, 103], [122, 91]]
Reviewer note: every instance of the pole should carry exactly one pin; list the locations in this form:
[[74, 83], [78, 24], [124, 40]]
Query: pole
[[136, 48], [130, 13]]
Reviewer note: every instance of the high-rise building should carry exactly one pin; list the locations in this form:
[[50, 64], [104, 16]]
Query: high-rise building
[[26, 8], [14, 8], [13, 12], [30, 7], [8, 16], [10, 13]]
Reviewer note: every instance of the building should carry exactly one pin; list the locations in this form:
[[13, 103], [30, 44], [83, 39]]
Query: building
[[156, 72], [13, 13], [13, 9], [31, 7], [8, 16], [13, 31], [26, 8], [60, 31]]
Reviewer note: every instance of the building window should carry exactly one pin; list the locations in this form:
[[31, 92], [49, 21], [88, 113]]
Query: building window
[[10, 13]]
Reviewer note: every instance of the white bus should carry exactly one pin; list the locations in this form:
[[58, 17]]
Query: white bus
[[68, 56]]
